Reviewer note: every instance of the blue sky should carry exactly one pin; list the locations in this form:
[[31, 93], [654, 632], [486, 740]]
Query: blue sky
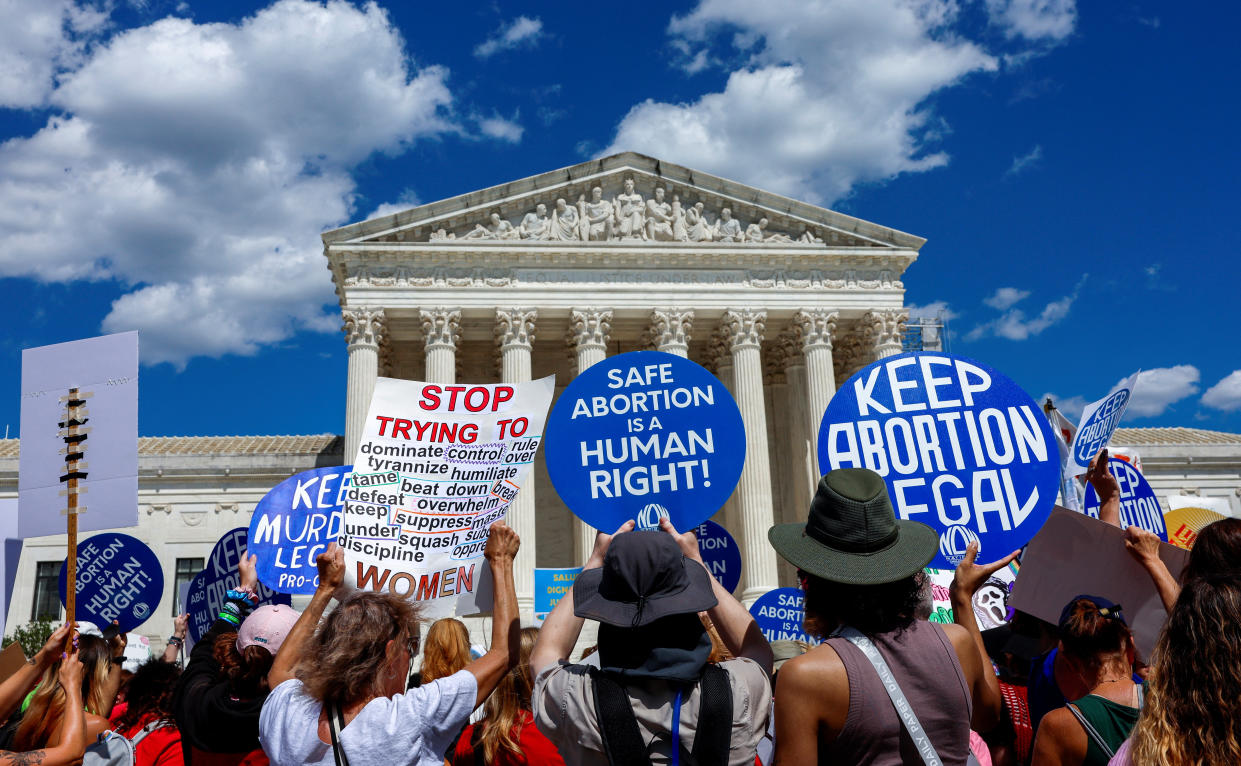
[[168, 167]]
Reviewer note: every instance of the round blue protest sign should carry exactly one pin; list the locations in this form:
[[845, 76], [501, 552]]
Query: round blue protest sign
[[641, 436], [294, 523], [780, 614], [963, 449], [1138, 505], [205, 596], [119, 578], [720, 553], [1094, 434]]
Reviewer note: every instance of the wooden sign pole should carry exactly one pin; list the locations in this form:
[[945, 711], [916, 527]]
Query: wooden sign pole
[[75, 450]]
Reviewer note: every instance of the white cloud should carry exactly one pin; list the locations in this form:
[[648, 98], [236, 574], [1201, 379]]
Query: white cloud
[[1014, 324], [198, 163], [38, 39], [832, 94], [1071, 406], [1226, 394], [932, 310], [1006, 297], [501, 129], [405, 201], [1160, 388], [522, 30], [1041, 20], [1025, 161]]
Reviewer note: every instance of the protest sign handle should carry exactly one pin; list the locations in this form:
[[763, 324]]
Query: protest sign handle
[[75, 449]]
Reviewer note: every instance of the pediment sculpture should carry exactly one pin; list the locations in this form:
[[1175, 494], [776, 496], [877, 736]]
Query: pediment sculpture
[[627, 217]]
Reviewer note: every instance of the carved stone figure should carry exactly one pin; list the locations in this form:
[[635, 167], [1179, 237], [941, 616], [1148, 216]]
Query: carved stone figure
[[727, 228], [499, 229], [809, 239], [629, 213], [596, 217], [696, 221], [754, 232], [536, 224], [565, 222], [442, 235], [659, 218], [679, 232], [762, 235]]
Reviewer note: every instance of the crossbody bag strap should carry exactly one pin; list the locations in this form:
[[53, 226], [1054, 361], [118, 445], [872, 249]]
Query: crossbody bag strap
[[336, 722], [618, 726], [1091, 731], [713, 737], [906, 713]]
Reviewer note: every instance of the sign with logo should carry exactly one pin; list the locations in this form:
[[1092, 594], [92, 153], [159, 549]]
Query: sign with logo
[[963, 449], [205, 596], [437, 465], [1099, 421], [780, 614], [720, 553], [1189, 514], [294, 523], [119, 578], [1138, 505], [645, 435], [550, 585]]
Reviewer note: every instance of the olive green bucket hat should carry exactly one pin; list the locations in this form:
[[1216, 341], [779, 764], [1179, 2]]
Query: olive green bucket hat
[[852, 535]]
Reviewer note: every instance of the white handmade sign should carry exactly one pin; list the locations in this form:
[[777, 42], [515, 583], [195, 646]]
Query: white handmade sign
[[1099, 421], [436, 467]]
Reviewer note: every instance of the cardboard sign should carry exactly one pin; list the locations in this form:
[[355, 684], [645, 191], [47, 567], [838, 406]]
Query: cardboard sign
[[294, 523], [720, 553], [205, 596], [1099, 421], [1075, 554], [1138, 505], [436, 467], [550, 585], [1186, 522], [119, 578], [105, 371], [645, 435], [963, 449], [780, 614], [991, 609]]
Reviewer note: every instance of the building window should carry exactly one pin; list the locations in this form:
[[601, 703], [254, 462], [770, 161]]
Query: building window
[[186, 569], [46, 591]]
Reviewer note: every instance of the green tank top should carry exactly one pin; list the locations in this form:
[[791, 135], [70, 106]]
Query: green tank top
[[1111, 720]]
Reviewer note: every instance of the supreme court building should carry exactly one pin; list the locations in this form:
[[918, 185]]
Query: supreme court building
[[550, 274]]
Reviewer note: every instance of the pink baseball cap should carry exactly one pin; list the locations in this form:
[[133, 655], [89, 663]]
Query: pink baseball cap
[[267, 627]]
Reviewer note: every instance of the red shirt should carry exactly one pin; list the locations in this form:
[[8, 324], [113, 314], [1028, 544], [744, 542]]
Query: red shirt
[[161, 747], [537, 750]]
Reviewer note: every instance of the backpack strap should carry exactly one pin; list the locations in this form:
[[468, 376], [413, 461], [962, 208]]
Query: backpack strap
[[618, 726], [1091, 731], [150, 727], [715, 717]]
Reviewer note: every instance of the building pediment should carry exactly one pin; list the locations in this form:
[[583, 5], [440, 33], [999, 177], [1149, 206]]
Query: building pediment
[[626, 199]]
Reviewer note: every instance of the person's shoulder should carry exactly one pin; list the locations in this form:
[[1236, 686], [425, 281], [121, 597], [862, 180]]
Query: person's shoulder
[[815, 671]]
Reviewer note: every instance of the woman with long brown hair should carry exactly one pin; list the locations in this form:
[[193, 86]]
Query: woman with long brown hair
[[446, 651], [507, 735], [1193, 704]]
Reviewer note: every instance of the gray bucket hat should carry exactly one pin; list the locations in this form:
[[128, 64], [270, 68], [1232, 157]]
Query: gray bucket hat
[[852, 535]]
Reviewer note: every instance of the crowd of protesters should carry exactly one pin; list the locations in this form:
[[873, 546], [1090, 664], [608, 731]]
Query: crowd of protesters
[[680, 672]]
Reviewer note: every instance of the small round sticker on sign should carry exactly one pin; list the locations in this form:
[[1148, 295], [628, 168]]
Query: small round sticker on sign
[[962, 448], [645, 435]]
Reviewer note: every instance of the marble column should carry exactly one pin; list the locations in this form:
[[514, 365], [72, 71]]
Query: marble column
[[514, 333], [364, 332], [670, 329], [588, 336], [441, 329], [720, 359], [888, 328], [815, 329], [758, 571]]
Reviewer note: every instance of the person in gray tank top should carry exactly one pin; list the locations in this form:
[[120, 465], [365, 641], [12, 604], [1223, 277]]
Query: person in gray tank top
[[861, 570]]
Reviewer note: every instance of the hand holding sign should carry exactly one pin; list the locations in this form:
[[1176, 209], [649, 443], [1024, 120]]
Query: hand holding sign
[[602, 542], [686, 541], [969, 577], [331, 566], [502, 543], [1106, 488]]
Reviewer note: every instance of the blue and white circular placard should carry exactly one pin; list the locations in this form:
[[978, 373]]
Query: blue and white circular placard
[[963, 449], [780, 614], [644, 435], [119, 578], [205, 596], [1139, 507], [294, 523], [720, 553]]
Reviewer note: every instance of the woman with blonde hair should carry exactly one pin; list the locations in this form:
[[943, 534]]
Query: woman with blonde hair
[[339, 689], [1193, 703], [43, 712], [507, 735], [447, 649]]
